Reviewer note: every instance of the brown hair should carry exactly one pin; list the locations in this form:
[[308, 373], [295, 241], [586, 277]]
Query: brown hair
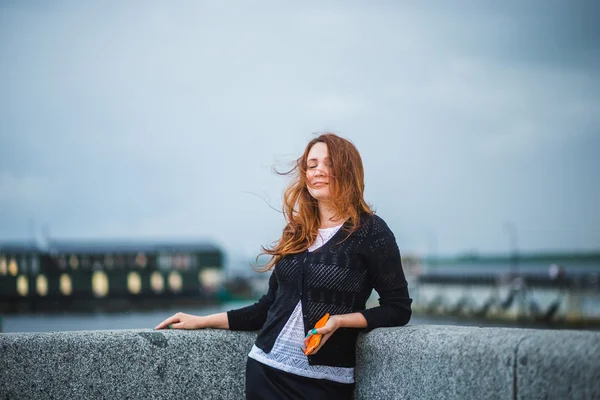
[[346, 185]]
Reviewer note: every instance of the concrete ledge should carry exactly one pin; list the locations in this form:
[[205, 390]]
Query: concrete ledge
[[416, 362]]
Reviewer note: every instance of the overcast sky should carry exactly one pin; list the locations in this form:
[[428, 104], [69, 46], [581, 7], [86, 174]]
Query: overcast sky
[[148, 119]]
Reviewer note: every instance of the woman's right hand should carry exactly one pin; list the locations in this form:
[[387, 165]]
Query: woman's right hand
[[181, 321]]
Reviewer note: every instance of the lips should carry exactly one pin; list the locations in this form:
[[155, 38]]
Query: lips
[[319, 184]]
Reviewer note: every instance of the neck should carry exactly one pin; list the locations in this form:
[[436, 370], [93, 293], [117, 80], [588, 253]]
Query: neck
[[326, 216]]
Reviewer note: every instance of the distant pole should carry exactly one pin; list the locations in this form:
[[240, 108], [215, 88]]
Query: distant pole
[[511, 229]]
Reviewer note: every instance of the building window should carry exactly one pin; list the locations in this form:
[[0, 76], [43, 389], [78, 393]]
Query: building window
[[141, 260], [178, 261], [35, 265], [99, 284], [22, 285], [13, 268], [164, 262], [66, 286], [109, 261], [175, 282], [23, 265], [73, 261], [157, 283], [210, 278], [41, 284], [181, 262], [3, 266], [134, 282]]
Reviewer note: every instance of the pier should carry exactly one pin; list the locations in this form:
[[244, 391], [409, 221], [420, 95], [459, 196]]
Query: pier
[[526, 300], [416, 362], [546, 290]]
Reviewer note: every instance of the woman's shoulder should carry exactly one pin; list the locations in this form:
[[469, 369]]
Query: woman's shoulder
[[373, 224]]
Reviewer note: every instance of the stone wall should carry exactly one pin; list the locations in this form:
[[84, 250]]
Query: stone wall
[[412, 362]]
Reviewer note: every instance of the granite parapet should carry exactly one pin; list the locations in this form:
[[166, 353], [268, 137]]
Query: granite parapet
[[411, 362]]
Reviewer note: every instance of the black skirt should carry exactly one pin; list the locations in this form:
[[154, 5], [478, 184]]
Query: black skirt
[[265, 383]]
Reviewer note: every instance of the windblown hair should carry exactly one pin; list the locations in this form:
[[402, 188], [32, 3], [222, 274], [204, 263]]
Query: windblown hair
[[301, 211]]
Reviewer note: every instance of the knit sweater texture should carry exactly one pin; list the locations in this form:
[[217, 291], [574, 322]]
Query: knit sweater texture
[[338, 279]]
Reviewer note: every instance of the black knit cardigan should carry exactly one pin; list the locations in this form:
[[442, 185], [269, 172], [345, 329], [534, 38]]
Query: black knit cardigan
[[337, 278]]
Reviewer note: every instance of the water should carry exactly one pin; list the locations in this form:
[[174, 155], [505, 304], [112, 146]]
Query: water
[[146, 320], [102, 321]]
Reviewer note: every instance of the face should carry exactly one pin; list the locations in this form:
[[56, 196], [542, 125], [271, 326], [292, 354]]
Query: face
[[318, 169]]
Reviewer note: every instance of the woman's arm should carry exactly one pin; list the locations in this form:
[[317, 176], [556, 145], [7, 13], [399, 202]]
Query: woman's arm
[[188, 321], [354, 320], [385, 269], [335, 322], [248, 318], [253, 317]]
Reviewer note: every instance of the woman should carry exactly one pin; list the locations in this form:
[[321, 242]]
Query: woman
[[333, 251]]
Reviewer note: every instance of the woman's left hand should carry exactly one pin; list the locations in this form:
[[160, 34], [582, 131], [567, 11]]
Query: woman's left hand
[[330, 327]]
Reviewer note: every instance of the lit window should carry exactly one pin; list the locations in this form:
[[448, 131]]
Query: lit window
[[73, 261], [157, 283], [41, 285], [134, 282], [66, 287], [210, 278], [175, 281], [13, 268], [141, 260], [99, 284], [3, 266], [22, 285]]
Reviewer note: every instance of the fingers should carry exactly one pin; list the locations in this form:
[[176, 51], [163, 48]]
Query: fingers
[[321, 331], [325, 332], [307, 339], [323, 340], [173, 320]]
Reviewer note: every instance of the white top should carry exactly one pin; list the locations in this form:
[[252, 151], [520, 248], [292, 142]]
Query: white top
[[287, 354]]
